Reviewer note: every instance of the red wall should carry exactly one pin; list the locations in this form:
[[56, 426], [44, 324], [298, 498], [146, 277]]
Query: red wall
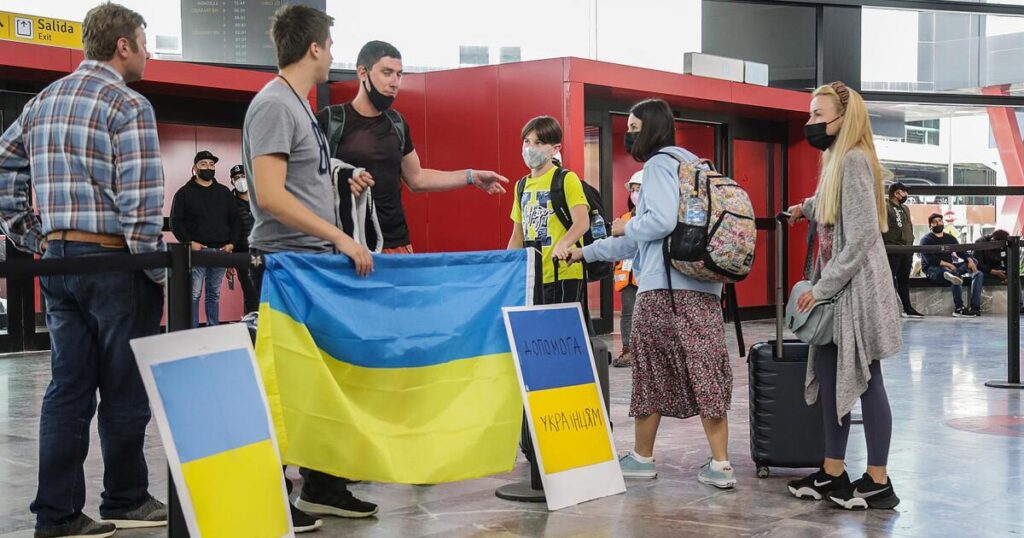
[[803, 179]]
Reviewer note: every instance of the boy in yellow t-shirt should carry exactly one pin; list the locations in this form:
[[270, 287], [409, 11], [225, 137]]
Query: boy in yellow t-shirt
[[534, 217]]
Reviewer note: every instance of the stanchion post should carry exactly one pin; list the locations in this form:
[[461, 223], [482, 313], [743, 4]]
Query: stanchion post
[[532, 491], [179, 318], [1012, 317]]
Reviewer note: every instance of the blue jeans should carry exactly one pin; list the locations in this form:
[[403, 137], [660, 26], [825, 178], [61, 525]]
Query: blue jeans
[[977, 279], [213, 277], [91, 319]]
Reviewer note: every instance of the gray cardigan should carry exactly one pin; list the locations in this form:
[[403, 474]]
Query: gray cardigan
[[867, 322]]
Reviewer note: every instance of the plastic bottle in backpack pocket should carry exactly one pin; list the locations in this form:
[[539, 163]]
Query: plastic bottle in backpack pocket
[[695, 213], [597, 227]]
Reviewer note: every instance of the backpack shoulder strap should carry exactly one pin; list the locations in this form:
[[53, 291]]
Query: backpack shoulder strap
[[399, 124], [520, 188], [670, 154], [331, 120], [558, 202]]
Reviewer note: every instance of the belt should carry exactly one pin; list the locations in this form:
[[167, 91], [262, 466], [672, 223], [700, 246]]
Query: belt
[[105, 240]]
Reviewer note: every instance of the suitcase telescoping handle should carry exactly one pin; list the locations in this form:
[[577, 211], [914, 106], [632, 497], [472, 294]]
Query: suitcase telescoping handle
[[781, 222]]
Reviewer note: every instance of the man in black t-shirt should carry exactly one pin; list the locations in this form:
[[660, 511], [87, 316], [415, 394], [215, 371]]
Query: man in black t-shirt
[[370, 140]]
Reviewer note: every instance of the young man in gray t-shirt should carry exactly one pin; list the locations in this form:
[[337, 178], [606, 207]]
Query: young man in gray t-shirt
[[293, 201]]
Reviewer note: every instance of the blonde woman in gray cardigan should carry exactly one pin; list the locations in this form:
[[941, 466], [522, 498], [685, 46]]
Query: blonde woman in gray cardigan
[[848, 209]]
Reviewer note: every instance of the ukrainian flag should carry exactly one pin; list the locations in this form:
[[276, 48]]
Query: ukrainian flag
[[403, 376]]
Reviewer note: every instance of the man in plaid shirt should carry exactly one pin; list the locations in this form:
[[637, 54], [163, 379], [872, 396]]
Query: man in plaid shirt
[[87, 145]]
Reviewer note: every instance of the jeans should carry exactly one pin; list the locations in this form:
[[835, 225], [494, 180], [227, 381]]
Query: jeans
[[626, 320], [213, 277], [91, 319], [977, 279]]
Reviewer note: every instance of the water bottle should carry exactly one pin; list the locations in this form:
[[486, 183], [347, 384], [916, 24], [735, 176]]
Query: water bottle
[[695, 214], [597, 228]]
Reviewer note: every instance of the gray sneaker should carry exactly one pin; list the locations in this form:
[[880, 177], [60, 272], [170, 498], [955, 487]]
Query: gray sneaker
[[82, 525], [631, 468], [724, 479], [151, 513]]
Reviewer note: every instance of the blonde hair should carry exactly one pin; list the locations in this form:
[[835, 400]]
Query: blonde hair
[[855, 133]]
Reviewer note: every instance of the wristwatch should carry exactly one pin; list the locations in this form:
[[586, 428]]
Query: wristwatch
[[469, 176]]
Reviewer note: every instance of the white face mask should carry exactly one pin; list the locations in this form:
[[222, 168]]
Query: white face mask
[[535, 157], [241, 187], [635, 197]]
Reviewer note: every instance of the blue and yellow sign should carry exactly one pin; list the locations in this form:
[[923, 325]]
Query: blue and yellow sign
[[40, 30], [565, 405]]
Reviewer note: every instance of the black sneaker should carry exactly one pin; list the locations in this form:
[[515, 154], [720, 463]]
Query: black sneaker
[[975, 312], [303, 522], [82, 525], [334, 504], [962, 312], [865, 493], [911, 313], [151, 513], [818, 485]]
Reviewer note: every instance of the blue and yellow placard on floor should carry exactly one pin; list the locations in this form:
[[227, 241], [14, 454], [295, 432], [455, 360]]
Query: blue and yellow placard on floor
[[564, 405], [212, 413]]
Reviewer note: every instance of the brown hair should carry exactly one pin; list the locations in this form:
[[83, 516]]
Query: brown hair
[[293, 28], [104, 25], [546, 128]]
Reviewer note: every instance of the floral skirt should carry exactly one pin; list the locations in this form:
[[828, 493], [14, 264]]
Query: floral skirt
[[680, 361]]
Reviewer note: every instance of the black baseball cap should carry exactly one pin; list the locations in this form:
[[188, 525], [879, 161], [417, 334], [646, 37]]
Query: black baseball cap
[[236, 169], [202, 155], [896, 186]]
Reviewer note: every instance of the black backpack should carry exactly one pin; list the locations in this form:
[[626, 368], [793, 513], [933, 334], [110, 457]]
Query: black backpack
[[331, 120], [594, 271]]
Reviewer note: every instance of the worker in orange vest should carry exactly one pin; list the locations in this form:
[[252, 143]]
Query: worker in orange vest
[[625, 278]]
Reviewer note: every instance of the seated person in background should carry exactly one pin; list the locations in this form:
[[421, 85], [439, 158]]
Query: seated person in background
[[993, 262], [947, 267]]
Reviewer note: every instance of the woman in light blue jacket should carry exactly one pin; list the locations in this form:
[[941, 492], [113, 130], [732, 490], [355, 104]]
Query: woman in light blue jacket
[[680, 360]]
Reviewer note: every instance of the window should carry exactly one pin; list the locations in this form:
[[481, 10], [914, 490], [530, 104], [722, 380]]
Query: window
[[474, 55], [949, 52], [922, 132], [510, 54]]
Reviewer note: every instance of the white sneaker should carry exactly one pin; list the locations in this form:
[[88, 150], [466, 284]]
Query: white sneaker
[[953, 279]]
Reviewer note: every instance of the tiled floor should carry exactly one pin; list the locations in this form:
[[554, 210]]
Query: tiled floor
[[954, 479]]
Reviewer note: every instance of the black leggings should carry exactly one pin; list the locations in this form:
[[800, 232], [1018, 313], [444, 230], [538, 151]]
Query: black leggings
[[874, 404]]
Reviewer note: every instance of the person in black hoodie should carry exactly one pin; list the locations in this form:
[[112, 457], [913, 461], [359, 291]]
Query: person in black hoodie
[[205, 214], [251, 299]]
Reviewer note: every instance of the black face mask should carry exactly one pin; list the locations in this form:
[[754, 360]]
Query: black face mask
[[938, 228], [206, 175], [380, 101], [630, 139], [818, 137]]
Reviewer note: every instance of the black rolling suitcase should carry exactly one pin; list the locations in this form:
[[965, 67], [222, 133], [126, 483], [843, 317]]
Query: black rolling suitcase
[[784, 430]]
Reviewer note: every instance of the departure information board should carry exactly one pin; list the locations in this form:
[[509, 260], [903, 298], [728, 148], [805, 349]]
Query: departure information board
[[232, 31]]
